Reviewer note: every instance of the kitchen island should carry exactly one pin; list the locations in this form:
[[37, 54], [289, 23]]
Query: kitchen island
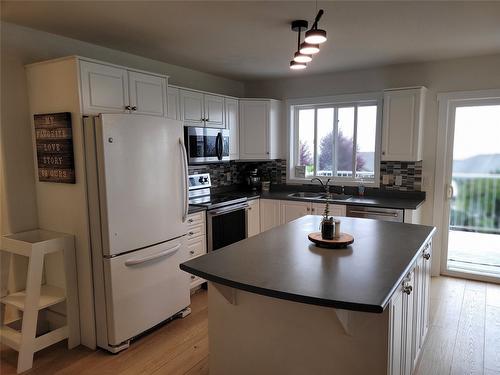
[[279, 304]]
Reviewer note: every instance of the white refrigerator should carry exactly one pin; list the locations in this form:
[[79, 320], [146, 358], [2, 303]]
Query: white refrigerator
[[137, 190]]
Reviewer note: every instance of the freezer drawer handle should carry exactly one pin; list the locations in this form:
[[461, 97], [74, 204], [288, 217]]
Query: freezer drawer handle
[[374, 213], [164, 253]]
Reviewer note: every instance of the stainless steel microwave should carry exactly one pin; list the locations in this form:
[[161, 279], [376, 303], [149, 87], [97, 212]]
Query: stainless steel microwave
[[206, 145]]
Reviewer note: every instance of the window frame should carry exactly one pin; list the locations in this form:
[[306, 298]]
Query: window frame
[[292, 106]]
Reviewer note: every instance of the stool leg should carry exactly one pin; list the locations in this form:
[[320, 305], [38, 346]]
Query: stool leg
[[4, 280], [30, 316]]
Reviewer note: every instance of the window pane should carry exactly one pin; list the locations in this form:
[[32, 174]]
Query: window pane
[[344, 142], [325, 142], [306, 140], [367, 125]]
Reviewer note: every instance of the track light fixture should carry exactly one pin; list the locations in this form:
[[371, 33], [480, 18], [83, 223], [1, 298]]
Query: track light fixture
[[315, 35], [313, 38]]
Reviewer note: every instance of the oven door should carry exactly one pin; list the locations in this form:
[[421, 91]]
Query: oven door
[[206, 145], [226, 225]]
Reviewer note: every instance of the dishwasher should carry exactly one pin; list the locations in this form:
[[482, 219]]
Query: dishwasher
[[386, 214]]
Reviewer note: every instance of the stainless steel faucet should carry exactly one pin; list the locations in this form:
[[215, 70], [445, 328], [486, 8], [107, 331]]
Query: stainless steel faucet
[[325, 185]]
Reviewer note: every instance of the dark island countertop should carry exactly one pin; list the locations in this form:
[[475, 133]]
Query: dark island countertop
[[283, 263]]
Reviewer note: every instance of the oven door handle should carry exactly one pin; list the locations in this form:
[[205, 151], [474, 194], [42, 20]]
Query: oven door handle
[[223, 211]]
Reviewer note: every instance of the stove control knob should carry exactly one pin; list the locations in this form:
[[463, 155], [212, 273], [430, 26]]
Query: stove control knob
[[200, 180], [205, 179]]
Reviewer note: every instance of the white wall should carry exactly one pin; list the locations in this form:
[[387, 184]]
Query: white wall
[[22, 46], [464, 74]]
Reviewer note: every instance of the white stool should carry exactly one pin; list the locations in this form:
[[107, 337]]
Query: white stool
[[43, 289]]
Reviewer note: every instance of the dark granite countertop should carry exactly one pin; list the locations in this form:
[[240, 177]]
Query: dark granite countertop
[[283, 263], [193, 209], [411, 203]]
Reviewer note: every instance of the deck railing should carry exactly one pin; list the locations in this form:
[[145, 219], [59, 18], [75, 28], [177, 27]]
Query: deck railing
[[476, 203]]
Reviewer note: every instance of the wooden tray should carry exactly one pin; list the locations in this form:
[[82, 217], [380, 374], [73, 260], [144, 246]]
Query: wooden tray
[[344, 240]]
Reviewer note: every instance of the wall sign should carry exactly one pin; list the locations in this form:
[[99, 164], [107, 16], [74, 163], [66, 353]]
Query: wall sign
[[54, 147]]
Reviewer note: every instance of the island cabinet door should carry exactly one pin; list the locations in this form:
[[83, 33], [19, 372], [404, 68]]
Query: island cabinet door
[[417, 311], [396, 329], [426, 284], [401, 328], [293, 210]]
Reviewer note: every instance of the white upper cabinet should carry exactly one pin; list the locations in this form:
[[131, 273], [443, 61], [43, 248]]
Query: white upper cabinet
[[199, 109], [232, 124], [111, 89], [104, 88], [173, 103], [403, 118], [148, 94], [260, 129], [192, 111], [214, 111]]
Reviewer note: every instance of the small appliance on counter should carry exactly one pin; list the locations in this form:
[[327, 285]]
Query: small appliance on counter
[[253, 180], [206, 145]]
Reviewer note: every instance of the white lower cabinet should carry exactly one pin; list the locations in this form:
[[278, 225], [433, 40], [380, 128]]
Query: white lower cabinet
[[253, 218], [269, 214], [196, 241], [275, 212], [409, 311], [334, 209], [291, 210]]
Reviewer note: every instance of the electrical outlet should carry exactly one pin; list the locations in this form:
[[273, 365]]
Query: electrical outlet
[[398, 181], [385, 179]]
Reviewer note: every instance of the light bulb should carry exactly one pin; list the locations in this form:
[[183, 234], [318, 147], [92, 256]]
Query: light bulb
[[297, 66], [309, 49], [301, 58], [315, 36]]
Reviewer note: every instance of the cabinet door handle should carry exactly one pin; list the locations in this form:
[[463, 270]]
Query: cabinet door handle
[[190, 233], [249, 208], [407, 289], [427, 256], [190, 220], [128, 108], [191, 252], [383, 152], [134, 108]]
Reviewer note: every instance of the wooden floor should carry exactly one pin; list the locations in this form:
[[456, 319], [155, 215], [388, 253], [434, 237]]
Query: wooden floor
[[464, 338], [179, 347]]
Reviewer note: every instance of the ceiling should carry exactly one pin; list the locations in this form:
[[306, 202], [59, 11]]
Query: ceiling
[[249, 40]]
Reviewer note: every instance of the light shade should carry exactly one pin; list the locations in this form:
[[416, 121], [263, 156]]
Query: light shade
[[315, 36], [297, 66], [301, 58], [309, 49]]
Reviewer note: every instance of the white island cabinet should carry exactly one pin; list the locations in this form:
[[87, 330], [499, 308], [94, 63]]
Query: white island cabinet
[[324, 313]]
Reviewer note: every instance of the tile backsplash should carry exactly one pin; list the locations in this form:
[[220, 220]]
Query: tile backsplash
[[229, 173], [234, 173], [410, 174]]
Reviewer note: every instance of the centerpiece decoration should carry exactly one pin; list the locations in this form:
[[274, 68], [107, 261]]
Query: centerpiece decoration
[[329, 235]]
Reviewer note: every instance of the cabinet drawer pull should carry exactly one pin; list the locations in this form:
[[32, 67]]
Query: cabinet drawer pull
[[190, 220], [407, 289], [191, 233], [191, 252], [427, 256]]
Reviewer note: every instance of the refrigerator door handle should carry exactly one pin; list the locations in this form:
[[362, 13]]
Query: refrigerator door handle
[[184, 180], [164, 253]]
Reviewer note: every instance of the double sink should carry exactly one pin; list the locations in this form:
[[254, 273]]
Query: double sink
[[319, 196]]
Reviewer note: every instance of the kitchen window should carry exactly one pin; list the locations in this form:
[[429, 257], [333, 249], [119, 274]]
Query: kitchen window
[[338, 140]]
